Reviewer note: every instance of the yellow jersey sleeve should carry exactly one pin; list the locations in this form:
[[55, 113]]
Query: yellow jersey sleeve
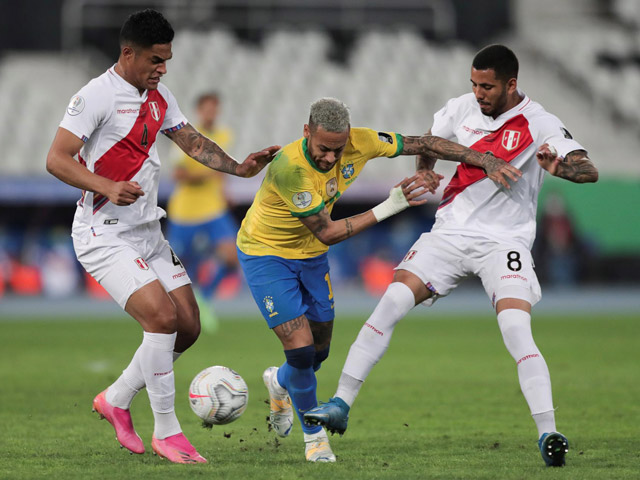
[[374, 144]]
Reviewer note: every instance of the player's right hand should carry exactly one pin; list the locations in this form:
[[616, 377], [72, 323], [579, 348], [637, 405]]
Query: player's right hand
[[257, 161], [124, 193], [500, 171]]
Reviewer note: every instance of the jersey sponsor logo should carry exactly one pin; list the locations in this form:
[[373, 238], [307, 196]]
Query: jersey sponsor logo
[[347, 171], [270, 306], [123, 111], [111, 221], [155, 110], [141, 263], [76, 106], [474, 131], [385, 137], [301, 199], [510, 139], [332, 187], [410, 254], [566, 133]]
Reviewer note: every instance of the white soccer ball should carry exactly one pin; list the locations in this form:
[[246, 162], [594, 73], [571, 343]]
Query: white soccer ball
[[218, 395]]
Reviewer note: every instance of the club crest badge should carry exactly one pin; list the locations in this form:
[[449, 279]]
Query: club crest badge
[[332, 187], [347, 171], [155, 110], [270, 306], [510, 139], [141, 263]]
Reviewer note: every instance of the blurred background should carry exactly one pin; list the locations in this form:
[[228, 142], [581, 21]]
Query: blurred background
[[394, 63]]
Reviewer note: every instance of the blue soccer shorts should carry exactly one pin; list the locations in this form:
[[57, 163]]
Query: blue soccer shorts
[[285, 289]]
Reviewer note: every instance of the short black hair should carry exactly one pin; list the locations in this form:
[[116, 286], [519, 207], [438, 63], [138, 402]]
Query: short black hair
[[145, 29], [498, 58]]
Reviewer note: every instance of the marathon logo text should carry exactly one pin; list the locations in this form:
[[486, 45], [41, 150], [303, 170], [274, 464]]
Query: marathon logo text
[[514, 275], [527, 357], [374, 329]]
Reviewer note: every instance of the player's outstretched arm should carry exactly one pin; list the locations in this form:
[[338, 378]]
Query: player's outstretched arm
[[436, 147], [576, 166], [207, 152], [62, 165], [404, 194]]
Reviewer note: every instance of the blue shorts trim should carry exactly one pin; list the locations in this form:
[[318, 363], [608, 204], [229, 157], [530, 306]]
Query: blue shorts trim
[[284, 289]]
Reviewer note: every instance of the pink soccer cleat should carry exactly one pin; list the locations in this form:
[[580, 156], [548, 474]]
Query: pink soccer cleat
[[121, 421], [177, 449]]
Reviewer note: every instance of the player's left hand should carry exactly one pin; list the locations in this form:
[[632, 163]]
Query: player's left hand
[[255, 162], [500, 171], [414, 187], [548, 158]]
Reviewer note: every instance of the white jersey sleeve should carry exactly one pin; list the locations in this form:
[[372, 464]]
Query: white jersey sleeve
[[446, 119], [173, 118], [87, 110], [553, 132]]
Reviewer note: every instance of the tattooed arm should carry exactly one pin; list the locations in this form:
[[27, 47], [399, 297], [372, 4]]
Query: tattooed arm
[[208, 153], [432, 147], [424, 167], [330, 231], [575, 166]]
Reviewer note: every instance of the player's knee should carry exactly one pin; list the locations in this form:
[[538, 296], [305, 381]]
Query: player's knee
[[165, 320], [320, 356], [301, 358]]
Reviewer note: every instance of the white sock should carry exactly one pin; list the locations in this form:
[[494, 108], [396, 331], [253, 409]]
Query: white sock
[[533, 373], [120, 394], [373, 339], [156, 363]]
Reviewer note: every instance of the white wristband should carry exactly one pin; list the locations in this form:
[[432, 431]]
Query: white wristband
[[396, 203]]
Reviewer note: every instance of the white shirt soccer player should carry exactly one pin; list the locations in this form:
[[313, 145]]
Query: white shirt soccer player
[[485, 227], [112, 125]]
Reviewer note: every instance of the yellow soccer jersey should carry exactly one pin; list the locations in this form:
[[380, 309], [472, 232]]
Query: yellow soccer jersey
[[198, 203], [294, 187]]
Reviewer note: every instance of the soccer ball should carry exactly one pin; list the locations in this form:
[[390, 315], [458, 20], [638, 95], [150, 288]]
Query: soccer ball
[[218, 395]]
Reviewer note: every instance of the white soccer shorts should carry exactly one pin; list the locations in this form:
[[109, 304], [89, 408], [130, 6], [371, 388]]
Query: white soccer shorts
[[124, 261], [442, 261]]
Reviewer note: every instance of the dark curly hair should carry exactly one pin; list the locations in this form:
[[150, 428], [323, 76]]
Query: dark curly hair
[[146, 28], [499, 58]]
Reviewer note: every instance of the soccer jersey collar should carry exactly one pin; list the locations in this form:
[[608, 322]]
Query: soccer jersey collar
[[305, 150], [515, 110], [126, 85]]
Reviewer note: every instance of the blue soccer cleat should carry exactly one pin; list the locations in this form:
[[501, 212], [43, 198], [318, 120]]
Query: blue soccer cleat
[[332, 415], [553, 447]]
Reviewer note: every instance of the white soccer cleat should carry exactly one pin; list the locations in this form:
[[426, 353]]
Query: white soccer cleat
[[317, 448], [281, 414]]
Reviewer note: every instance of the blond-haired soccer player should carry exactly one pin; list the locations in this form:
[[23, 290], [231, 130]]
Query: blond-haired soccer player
[[112, 125], [284, 238]]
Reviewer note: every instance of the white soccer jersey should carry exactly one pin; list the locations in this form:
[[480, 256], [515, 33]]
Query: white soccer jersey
[[119, 127], [474, 204]]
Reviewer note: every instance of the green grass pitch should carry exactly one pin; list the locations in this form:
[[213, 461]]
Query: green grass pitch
[[443, 403]]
